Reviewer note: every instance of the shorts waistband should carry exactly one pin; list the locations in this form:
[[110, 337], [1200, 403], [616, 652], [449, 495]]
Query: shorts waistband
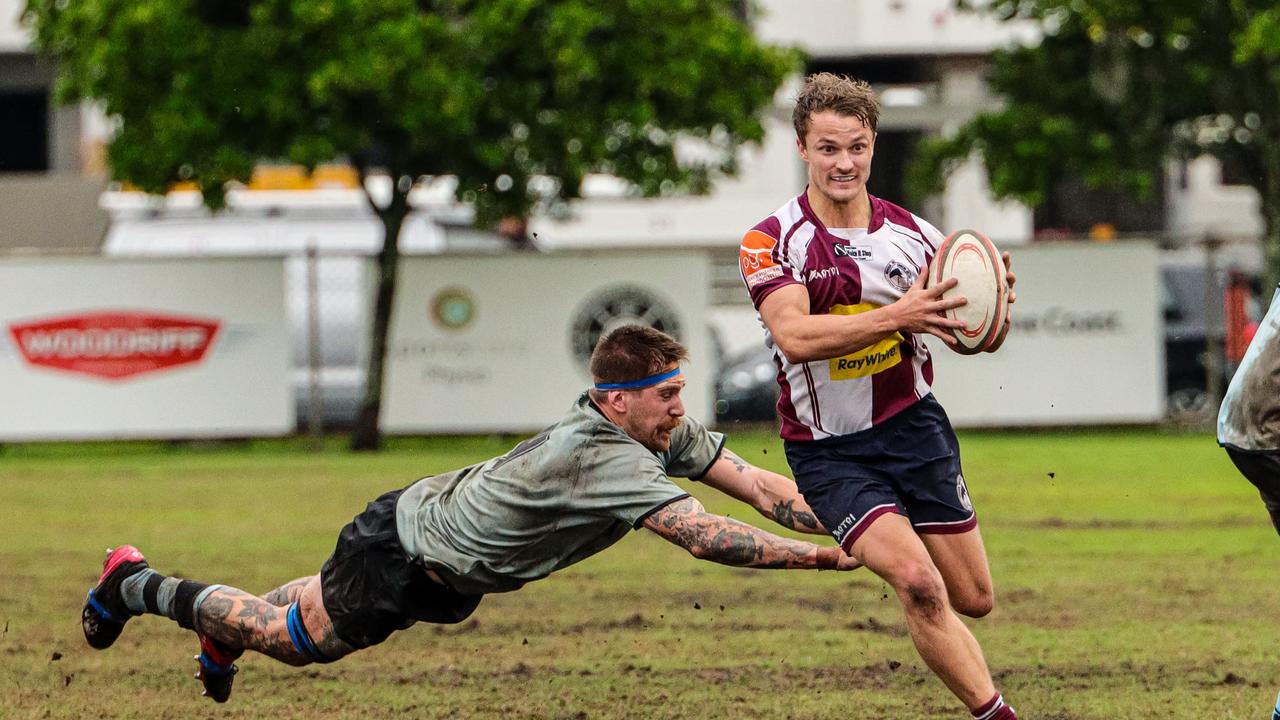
[[888, 426]]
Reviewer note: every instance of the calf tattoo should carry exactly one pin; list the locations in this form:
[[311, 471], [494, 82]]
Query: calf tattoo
[[286, 594], [242, 621]]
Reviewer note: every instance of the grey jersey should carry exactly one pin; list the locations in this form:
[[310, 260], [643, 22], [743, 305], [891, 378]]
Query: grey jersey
[[1250, 414], [557, 498]]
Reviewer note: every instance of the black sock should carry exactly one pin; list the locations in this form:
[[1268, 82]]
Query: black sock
[[184, 603], [150, 592]]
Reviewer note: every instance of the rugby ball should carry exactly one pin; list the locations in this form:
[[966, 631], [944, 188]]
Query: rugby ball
[[975, 263]]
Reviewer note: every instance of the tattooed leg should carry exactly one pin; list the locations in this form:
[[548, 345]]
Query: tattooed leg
[[288, 593], [241, 620], [223, 654]]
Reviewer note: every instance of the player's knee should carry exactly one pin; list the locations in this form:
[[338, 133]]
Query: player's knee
[[921, 589], [304, 650], [976, 602]]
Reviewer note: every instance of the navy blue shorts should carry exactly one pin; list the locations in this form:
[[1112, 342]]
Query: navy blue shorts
[[909, 464]]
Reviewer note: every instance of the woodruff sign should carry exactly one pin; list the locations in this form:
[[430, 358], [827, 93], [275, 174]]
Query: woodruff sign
[[107, 348], [114, 345]]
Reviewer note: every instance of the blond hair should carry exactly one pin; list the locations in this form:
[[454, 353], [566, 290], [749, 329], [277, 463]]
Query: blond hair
[[840, 94]]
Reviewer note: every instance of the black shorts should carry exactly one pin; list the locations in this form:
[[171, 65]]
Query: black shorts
[[372, 587], [1262, 468], [909, 464]]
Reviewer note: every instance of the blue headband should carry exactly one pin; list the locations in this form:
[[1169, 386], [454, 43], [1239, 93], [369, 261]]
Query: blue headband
[[641, 383]]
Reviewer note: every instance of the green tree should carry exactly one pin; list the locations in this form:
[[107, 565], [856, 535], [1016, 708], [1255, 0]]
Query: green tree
[[518, 99], [1117, 87]]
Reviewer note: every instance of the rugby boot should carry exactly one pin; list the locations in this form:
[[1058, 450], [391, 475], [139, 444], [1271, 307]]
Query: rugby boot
[[105, 613], [217, 668]]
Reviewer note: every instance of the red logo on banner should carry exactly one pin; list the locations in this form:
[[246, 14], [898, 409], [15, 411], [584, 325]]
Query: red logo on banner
[[114, 345]]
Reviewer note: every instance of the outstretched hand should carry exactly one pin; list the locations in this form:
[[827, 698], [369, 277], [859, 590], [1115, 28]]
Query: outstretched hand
[[921, 309], [847, 562]]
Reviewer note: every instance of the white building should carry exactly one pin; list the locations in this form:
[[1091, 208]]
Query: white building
[[926, 58]]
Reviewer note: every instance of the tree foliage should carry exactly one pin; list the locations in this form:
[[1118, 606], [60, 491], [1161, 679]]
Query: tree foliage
[[519, 99], [1115, 88]]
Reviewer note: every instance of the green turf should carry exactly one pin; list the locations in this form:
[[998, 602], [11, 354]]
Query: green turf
[[1135, 575]]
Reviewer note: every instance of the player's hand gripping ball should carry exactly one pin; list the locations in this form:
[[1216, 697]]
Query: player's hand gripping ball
[[975, 263]]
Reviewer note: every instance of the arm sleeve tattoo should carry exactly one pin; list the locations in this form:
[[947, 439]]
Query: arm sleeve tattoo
[[772, 500], [785, 514], [727, 541]]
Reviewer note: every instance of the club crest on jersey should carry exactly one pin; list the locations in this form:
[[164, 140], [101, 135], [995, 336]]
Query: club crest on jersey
[[899, 275], [857, 252]]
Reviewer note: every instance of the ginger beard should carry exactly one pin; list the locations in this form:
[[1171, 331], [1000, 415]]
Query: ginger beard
[[653, 413]]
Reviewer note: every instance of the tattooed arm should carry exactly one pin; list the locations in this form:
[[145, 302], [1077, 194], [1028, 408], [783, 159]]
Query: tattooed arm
[[727, 541], [774, 495]]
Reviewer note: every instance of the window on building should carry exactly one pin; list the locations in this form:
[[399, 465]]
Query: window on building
[[894, 150], [24, 132], [1243, 167], [881, 70]]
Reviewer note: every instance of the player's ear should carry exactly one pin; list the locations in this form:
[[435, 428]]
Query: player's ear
[[617, 401]]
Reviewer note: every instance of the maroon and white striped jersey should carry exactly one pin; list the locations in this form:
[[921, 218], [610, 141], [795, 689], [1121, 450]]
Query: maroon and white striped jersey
[[846, 271]]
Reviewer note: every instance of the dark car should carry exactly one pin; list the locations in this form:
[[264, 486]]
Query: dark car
[[1187, 305], [747, 388]]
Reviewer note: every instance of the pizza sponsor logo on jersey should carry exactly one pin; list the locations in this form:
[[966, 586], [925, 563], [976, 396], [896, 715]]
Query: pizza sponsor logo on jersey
[[756, 258], [114, 345], [857, 252], [900, 276], [763, 275], [820, 273]]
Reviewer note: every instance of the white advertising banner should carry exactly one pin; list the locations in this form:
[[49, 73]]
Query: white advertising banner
[[1086, 346], [95, 348], [500, 343]]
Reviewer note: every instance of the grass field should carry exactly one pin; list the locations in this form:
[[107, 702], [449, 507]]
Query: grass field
[[1136, 577]]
